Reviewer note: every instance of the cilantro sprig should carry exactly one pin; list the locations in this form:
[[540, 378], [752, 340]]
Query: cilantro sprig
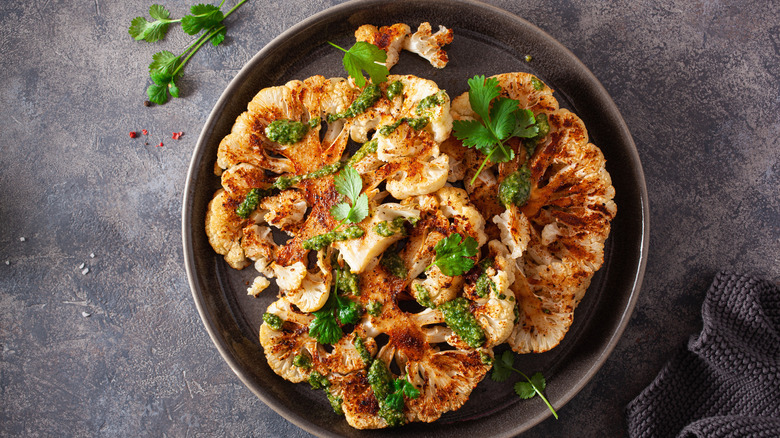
[[166, 67], [350, 184], [325, 325], [532, 386], [364, 56], [501, 119], [453, 254]]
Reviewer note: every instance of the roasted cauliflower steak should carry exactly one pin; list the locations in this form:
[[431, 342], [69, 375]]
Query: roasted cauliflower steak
[[369, 316]]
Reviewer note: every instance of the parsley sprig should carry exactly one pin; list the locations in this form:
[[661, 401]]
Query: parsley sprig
[[364, 56], [166, 67], [532, 386], [453, 254], [350, 184], [501, 119]]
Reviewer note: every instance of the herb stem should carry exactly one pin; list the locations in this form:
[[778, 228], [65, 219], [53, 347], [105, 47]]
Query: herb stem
[[537, 391], [231, 9], [197, 44]]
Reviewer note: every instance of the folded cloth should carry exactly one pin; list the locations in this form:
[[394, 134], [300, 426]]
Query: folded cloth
[[727, 382]]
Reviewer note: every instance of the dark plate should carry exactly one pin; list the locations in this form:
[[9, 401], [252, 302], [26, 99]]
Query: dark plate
[[487, 41]]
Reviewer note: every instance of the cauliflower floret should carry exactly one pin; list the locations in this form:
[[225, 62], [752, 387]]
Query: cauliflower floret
[[285, 210], [391, 39], [259, 284], [360, 253], [315, 287], [281, 347], [419, 177], [437, 288], [429, 45], [514, 228], [288, 277], [223, 228], [496, 311], [258, 244], [454, 203]]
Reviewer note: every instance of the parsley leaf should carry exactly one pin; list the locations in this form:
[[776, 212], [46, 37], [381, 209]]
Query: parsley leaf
[[453, 255], [500, 119], [151, 31], [532, 386], [364, 56]]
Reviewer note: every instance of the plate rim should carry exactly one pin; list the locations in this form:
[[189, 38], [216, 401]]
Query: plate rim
[[358, 5]]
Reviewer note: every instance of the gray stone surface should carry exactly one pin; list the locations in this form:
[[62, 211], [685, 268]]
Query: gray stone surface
[[120, 350]]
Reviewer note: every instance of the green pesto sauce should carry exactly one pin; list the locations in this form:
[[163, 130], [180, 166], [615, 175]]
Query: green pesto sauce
[[374, 308], [462, 321], [380, 379], [273, 321], [318, 381], [423, 296], [347, 281], [485, 358], [365, 355], [318, 242], [364, 101], [249, 204], [484, 285], [286, 131], [393, 417], [315, 122], [335, 402], [394, 89], [368, 147], [537, 84], [285, 182], [387, 229], [394, 265], [431, 101], [415, 123], [515, 188], [302, 360]]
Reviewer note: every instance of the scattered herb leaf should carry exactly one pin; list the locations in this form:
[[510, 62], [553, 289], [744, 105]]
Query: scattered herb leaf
[[453, 254], [364, 56], [532, 386]]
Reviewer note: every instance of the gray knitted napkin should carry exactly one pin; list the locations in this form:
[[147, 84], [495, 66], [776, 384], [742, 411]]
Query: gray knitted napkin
[[727, 382]]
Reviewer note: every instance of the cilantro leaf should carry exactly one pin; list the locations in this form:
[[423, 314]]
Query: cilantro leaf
[[349, 183], [166, 67], [341, 211], [502, 117], [324, 326], [219, 37], [525, 126], [359, 209], [203, 17], [474, 134], [503, 366], [410, 390], [481, 92], [158, 12], [525, 390], [348, 311], [164, 62], [452, 254], [151, 31], [364, 56]]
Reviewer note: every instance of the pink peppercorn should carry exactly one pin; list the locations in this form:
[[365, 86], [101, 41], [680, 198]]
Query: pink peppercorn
[[133, 134]]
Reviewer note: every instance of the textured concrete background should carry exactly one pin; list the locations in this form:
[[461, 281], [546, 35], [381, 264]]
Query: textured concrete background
[[120, 350]]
